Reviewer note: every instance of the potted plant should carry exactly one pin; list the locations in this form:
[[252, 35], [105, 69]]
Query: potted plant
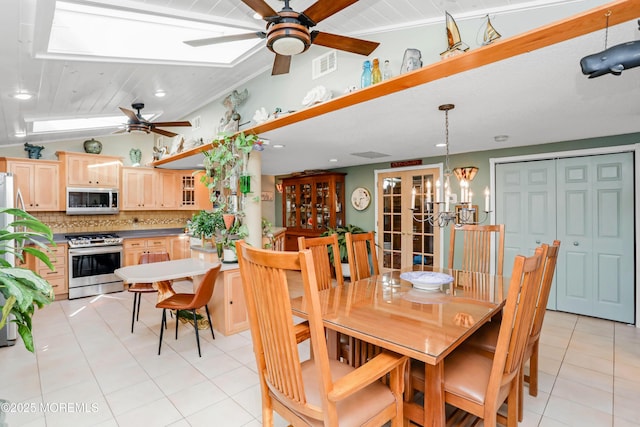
[[22, 288], [342, 244], [236, 232], [206, 224]]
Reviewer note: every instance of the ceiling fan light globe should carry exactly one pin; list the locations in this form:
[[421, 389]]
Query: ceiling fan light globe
[[288, 39]]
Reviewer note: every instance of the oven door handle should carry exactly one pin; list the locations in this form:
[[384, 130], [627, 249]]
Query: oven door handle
[[95, 250]]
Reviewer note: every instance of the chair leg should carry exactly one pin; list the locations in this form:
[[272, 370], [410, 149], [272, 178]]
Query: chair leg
[[195, 325], [177, 321], [533, 371], [162, 324], [138, 309], [133, 310], [209, 319]]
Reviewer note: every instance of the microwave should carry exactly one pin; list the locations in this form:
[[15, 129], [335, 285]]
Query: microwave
[[91, 201]]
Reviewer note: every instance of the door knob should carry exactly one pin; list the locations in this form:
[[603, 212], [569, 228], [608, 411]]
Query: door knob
[[575, 243]]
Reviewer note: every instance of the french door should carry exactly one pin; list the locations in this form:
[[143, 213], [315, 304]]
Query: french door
[[405, 240]]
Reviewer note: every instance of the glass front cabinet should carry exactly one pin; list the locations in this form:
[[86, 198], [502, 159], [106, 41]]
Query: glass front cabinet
[[311, 204]]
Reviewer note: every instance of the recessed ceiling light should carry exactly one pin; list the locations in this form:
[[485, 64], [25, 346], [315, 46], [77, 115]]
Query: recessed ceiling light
[[22, 96], [501, 138], [160, 93], [441, 144], [20, 134], [333, 160], [278, 146]]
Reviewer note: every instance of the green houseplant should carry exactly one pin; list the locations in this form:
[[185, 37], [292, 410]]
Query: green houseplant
[[206, 224], [22, 288], [342, 243]]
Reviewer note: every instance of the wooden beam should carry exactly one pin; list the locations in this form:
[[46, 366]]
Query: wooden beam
[[566, 29]]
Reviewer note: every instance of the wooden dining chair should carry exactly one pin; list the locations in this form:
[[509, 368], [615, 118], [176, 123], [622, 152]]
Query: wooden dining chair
[[192, 302], [479, 383], [144, 288], [476, 247], [361, 251], [486, 338], [319, 247], [316, 391]]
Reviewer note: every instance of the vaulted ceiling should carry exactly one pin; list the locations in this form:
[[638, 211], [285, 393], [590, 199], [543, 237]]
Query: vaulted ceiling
[[532, 97]]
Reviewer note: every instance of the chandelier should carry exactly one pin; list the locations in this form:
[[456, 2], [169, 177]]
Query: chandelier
[[443, 211]]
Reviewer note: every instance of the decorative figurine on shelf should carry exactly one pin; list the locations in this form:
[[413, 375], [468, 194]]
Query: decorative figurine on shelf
[[92, 146], [454, 41], [412, 60], [365, 79], [230, 122], [33, 151], [316, 95], [376, 74], [490, 33]]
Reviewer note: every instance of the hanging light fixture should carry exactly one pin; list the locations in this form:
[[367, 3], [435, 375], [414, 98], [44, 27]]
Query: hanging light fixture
[[438, 213]]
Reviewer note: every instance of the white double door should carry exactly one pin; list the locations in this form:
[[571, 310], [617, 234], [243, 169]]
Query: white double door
[[588, 204]]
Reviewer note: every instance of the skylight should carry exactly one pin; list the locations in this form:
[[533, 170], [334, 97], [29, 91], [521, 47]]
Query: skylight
[[65, 125], [93, 31]]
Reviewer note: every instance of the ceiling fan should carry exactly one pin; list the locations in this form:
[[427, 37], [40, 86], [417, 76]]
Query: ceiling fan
[[287, 32], [138, 123]]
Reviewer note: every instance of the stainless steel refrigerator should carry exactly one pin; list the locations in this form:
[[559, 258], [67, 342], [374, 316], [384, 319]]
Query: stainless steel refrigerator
[[8, 333]]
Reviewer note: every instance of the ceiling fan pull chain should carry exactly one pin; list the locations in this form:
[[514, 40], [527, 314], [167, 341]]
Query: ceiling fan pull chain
[[606, 30]]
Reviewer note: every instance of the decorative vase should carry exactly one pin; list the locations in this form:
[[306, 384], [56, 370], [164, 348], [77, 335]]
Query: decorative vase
[[229, 255], [92, 146], [228, 220], [135, 155]]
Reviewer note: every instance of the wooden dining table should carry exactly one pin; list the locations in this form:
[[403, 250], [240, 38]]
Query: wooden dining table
[[162, 273], [389, 312]]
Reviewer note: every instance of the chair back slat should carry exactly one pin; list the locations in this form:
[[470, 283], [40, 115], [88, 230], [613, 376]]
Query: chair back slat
[[319, 247], [476, 247], [550, 262], [517, 319], [363, 259]]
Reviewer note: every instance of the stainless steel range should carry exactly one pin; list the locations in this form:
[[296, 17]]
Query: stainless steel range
[[92, 260]]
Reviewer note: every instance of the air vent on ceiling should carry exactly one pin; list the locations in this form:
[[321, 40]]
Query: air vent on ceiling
[[370, 155], [324, 64], [195, 123]]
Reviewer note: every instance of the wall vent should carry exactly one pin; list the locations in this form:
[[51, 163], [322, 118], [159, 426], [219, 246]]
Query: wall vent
[[195, 123], [324, 64]]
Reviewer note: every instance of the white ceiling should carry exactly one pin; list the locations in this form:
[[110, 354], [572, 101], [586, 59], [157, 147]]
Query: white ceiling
[[534, 98]]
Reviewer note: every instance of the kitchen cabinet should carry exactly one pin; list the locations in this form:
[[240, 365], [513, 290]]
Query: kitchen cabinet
[[311, 204], [179, 246], [194, 195], [167, 191], [138, 188], [133, 248], [57, 278], [227, 306], [38, 182], [91, 170]]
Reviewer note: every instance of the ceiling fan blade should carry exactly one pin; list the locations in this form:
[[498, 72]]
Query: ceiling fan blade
[[261, 7], [171, 124], [281, 65], [323, 9], [225, 39], [130, 114], [163, 132], [349, 44]]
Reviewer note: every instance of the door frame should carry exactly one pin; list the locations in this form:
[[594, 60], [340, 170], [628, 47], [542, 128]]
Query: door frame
[[634, 148], [377, 172]]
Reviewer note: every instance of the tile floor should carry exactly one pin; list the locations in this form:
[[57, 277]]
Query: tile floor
[[87, 360]]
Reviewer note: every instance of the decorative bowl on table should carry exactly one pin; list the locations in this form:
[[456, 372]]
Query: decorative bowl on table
[[426, 280]]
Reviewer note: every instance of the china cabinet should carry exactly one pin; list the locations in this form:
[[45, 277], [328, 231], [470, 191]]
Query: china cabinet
[[312, 203], [29, 176]]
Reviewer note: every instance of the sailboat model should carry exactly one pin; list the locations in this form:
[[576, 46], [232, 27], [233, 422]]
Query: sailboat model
[[490, 33], [456, 46]]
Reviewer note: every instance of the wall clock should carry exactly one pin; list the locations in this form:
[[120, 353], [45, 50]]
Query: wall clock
[[360, 198]]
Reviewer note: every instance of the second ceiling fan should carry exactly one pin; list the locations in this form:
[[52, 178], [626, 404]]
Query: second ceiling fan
[[288, 32]]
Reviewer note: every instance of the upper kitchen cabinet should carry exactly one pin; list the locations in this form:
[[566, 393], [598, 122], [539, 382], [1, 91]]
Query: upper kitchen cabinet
[[138, 188], [37, 181], [91, 170]]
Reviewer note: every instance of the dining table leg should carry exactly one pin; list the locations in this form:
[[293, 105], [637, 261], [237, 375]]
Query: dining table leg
[[434, 407]]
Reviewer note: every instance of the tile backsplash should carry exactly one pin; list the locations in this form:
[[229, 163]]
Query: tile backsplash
[[132, 220]]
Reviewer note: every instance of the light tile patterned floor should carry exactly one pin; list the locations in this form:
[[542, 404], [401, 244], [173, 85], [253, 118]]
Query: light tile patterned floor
[[86, 354]]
